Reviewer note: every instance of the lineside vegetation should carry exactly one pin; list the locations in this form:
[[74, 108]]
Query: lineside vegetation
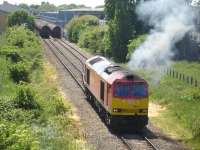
[[181, 102], [33, 114]]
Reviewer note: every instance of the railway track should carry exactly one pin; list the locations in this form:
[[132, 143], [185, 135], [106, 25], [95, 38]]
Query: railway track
[[79, 56], [74, 71], [77, 74], [67, 43], [131, 145]]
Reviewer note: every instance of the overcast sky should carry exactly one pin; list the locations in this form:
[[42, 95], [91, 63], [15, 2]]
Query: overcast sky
[[91, 3]]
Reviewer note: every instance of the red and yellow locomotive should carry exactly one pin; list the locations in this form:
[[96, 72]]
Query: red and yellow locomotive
[[120, 96]]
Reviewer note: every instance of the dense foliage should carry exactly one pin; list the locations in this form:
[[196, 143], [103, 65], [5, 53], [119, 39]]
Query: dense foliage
[[135, 43], [70, 6], [32, 112], [21, 18], [46, 6], [120, 17], [78, 24], [93, 39]]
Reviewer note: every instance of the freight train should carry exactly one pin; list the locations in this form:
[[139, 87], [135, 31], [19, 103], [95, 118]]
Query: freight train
[[47, 29], [121, 97]]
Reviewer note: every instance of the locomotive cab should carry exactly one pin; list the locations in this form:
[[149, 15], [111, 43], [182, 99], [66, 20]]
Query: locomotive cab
[[120, 96]]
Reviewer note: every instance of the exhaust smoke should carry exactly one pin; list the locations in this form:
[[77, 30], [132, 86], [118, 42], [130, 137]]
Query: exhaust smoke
[[171, 20]]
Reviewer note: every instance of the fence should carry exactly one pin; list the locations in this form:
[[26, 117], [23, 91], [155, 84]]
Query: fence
[[183, 77]]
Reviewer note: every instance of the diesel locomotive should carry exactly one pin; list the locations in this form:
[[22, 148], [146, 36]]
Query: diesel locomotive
[[120, 96]]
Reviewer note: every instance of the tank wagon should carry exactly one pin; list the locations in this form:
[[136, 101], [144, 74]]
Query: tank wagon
[[43, 28], [55, 31], [120, 96], [47, 29]]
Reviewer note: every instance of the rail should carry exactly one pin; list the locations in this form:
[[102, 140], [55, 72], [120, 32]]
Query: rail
[[150, 143], [52, 47], [74, 49], [129, 145], [63, 44]]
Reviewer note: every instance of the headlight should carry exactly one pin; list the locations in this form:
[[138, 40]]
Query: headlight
[[143, 110], [117, 110]]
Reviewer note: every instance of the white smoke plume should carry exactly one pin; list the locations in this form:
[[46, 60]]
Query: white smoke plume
[[171, 20]]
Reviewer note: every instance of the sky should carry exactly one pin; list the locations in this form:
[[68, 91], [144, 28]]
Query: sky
[[91, 3]]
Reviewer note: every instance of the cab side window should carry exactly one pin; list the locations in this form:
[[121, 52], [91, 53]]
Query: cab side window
[[102, 87], [88, 77]]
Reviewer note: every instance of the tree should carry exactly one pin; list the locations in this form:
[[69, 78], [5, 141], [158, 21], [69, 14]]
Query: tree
[[21, 18], [23, 6], [78, 24], [120, 16], [71, 6], [100, 6], [46, 6]]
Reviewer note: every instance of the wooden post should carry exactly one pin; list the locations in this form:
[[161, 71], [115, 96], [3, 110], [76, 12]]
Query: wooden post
[[196, 84], [191, 80], [187, 79], [180, 76]]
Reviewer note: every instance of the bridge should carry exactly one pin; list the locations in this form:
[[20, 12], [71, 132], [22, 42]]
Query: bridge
[[64, 16]]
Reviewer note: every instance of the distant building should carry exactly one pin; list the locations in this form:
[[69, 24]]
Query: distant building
[[64, 16], [5, 10]]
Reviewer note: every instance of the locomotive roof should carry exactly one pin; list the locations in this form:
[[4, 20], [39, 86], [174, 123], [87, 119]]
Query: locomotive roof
[[108, 70]]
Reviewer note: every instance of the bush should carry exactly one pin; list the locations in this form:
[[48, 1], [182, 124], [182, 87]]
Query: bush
[[92, 38], [21, 18], [20, 72], [57, 106], [78, 24], [26, 98], [6, 105], [135, 43], [14, 56], [16, 137], [20, 37]]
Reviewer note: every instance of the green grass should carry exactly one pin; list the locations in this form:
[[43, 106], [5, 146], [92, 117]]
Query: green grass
[[181, 117]]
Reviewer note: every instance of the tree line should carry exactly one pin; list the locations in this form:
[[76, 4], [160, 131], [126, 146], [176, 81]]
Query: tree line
[[46, 6], [112, 39]]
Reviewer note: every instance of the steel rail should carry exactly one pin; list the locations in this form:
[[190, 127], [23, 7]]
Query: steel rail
[[65, 66], [150, 143], [63, 45], [58, 49], [128, 146], [64, 41]]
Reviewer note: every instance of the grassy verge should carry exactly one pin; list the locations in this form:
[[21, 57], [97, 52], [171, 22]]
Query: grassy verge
[[33, 113], [180, 118]]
